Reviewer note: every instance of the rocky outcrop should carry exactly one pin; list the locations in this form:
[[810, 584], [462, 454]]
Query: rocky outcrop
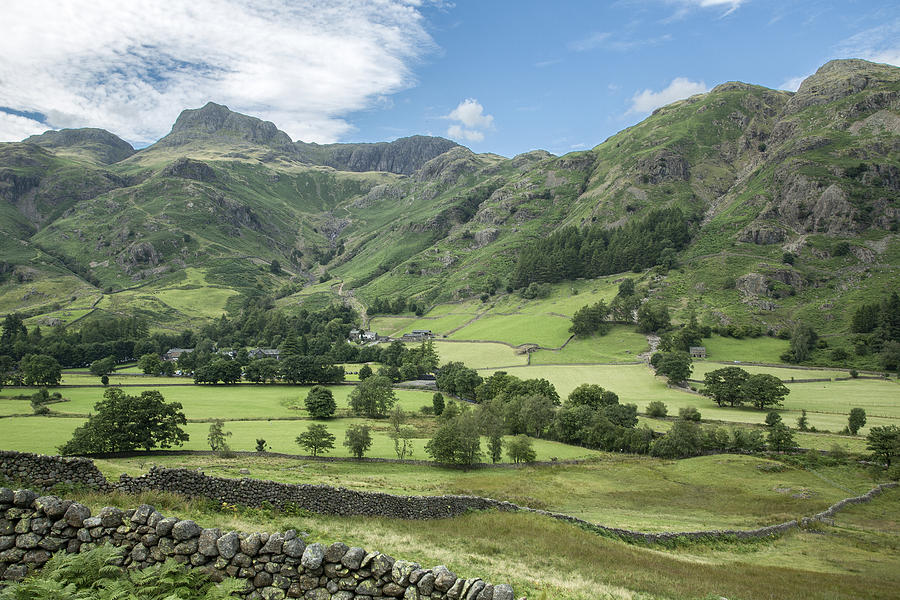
[[762, 234], [216, 122], [663, 166], [100, 144], [449, 166], [403, 156], [838, 79], [188, 168]]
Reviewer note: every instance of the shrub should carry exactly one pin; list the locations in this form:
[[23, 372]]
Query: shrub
[[854, 373], [689, 413], [320, 402], [520, 449], [657, 408], [856, 420]]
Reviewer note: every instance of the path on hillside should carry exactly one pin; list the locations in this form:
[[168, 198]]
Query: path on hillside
[[350, 300]]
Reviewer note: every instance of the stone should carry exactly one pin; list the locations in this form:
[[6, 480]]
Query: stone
[[228, 545], [401, 571], [186, 548], [40, 526], [52, 543], [412, 593], [6, 527], [313, 556], [382, 564], [92, 523], [15, 572], [185, 530], [6, 496], [24, 498], [52, 506], [110, 516], [503, 592], [294, 547], [487, 593], [271, 593], [142, 514], [474, 590], [342, 595], [416, 575], [76, 514], [28, 540], [335, 552], [273, 545], [426, 584], [164, 527], [262, 579], [251, 544], [393, 590], [367, 587], [444, 578], [456, 590], [206, 544], [352, 559], [140, 553], [318, 594]]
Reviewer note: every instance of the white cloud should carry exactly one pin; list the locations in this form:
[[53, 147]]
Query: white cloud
[[14, 128], [681, 87], [131, 67], [685, 6], [879, 44], [471, 121], [594, 40], [792, 84]]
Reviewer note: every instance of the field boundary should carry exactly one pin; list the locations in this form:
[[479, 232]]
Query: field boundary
[[46, 471]]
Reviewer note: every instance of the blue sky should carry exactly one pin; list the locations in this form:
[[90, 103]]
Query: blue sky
[[503, 77]]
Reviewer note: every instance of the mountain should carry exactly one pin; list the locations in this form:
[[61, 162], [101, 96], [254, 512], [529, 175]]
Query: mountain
[[791, 203]]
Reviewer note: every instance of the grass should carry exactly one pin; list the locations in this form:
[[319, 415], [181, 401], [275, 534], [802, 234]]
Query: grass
[[634, 492], [761, 349], [550, 331], [546, 559], [621, 345], [702, 367], [479, 355]]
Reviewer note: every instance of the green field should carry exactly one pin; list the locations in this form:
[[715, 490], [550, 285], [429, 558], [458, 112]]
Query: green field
[[761, 349], [479, 355], [702, 367], [621, 345], [550, 331]]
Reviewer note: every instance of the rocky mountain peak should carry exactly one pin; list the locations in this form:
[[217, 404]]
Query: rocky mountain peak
[[218, 122], [837, 79], [102, 145]]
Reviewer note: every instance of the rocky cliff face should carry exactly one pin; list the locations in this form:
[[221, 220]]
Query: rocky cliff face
[[404, 156]]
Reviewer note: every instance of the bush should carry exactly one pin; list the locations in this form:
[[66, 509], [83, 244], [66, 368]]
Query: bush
[[689, 413], [320, 402], [358, 440], [657, 409], [520, 449], [854, 373]]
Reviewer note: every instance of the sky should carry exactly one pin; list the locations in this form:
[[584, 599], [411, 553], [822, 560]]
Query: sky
[[497, 76]]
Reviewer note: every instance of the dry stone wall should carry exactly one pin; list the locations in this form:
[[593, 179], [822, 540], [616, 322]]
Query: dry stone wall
[[325, 499], [274, 566]]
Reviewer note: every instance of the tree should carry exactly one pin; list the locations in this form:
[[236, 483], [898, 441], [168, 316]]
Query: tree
[[261, 370], [40, 369], [781, 438], [657, 409], [626, 287], [456, 442], [150, 364], [123, 422], [689, 413], [884, 442], [103, 366], [365, 372], [653, 317], [772, 418], [358, 440], [675, 366], [856, 420], [591, 394], [217, 436], [683, 439], [802, 421], [275, 267], [803, 340], [591, 319], [520, 449], [373, 397], [763, 390], [537, 413], [260, 444], [316, 439], [725, 385], [402, 436], [437, 401], [320, 402]]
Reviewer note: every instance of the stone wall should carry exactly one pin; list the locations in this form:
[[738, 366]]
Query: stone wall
[[274, 566], [324, 499]]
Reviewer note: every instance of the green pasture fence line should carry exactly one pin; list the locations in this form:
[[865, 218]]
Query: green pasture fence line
[[48, 470]]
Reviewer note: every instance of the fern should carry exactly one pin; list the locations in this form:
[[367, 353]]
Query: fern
[[94, 576]]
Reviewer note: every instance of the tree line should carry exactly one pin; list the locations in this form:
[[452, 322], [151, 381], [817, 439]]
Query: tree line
[[594, 251]]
